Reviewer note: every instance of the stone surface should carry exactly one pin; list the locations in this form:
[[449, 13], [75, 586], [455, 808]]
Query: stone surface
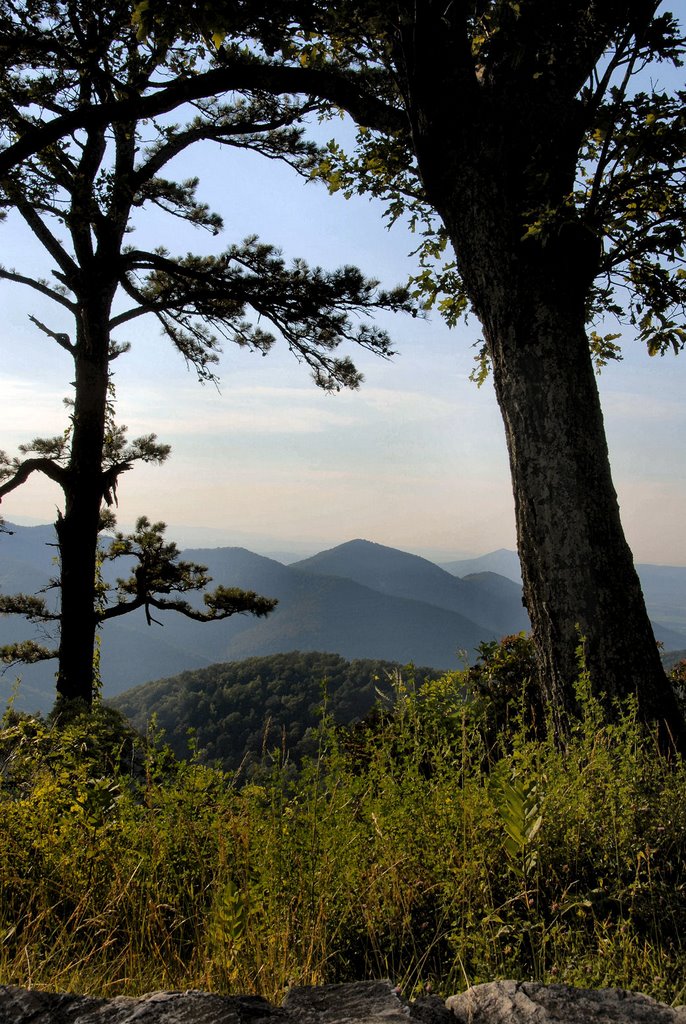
[[17, 1006], [512, 1002], [371, 1002], [431, 1009]]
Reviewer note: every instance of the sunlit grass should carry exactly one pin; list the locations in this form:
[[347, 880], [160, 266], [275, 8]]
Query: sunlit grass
[[426, 847]]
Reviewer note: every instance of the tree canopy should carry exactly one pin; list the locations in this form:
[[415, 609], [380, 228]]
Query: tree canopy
[[237, 711], [627, 142]]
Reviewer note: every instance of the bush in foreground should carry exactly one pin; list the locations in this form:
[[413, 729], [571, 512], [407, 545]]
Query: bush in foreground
[[417, 847]]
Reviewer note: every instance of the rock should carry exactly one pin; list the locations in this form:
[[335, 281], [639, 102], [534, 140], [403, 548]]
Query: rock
[[363, 1002], [430, 1009], [513, 1002], [369, 1002], [18, 1006]]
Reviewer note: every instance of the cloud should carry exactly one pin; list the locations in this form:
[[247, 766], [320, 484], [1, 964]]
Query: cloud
[[271, 410], [28, 411]]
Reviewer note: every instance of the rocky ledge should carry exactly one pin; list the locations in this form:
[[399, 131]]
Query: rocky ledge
[[369, 1002]]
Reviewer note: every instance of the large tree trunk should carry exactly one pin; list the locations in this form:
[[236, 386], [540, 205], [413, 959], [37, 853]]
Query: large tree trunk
[[580, 585], [78, 528], [77, 541]]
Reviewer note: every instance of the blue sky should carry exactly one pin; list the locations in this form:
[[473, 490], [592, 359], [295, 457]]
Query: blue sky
[[415, 459]]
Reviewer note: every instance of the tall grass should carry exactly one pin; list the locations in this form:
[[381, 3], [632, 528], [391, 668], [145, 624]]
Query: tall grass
[[426, 846]]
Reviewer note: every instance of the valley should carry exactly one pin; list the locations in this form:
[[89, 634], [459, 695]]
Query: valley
[[359, 600]]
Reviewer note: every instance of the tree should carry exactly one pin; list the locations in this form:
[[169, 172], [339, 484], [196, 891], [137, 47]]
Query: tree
[[516, 125], [79, 196], [514, 132]]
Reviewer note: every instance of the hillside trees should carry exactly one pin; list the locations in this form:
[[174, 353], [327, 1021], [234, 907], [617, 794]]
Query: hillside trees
[[79, 196], [518, 134], [240, 710]]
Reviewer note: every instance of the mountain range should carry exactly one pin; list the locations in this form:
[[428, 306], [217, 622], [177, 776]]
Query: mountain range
[[358, 600]]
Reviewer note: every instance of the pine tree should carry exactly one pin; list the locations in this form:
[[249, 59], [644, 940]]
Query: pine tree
[[79, 195]]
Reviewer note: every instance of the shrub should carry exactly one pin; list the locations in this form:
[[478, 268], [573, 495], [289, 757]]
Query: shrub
[[414, 847]]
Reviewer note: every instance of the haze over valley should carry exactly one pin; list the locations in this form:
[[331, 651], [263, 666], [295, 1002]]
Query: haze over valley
[[360, 600]]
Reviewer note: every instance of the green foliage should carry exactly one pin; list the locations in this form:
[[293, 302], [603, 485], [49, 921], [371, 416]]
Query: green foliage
[[159, 573], [25, 652], [600, 156], [516, 801], [633, 175], [241, 710], [677, 674], [31, 607], [307, 306], [502, 686], [397, 849], [96, 743]]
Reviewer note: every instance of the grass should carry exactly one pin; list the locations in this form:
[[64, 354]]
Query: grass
[[426, 845]]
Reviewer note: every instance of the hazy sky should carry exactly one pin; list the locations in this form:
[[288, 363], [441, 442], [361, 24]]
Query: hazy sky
[[415, 459]]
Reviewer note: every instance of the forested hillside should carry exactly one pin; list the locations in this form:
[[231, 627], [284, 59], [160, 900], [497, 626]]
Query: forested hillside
[[237, 711]]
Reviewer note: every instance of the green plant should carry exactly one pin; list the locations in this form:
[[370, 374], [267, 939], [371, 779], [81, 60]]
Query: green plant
[[401, 851]]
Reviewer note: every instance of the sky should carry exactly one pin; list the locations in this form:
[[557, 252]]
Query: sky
[[414, 459]]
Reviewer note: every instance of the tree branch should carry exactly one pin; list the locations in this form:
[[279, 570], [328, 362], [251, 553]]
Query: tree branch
[[45, 466], [39, 286], [26, 652], [42, 232], [110, 479], [61, 338], [31, 607], [221, 604], [325, 84], [218, 133]]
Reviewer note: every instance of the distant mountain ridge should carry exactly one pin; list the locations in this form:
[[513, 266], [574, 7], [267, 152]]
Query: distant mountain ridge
[[503, 561], [496, 604], [664, 588], [359, 600]]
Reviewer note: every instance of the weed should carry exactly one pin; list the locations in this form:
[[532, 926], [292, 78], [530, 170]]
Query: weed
[[420, 845]]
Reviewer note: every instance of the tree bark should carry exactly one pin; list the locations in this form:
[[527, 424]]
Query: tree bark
[[581, 589], [78, 527], [580, 585]]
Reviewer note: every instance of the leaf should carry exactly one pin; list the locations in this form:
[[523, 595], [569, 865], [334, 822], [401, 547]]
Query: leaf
[[517, 804]]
